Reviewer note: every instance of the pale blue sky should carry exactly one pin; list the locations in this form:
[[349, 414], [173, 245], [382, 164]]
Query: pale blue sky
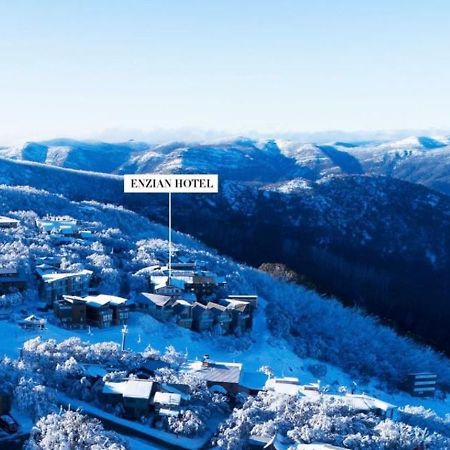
[[78, 68]]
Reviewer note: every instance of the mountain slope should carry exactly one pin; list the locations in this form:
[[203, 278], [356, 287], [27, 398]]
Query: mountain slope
[[359, 238], [424, 160], [308, 324], [72, 154]]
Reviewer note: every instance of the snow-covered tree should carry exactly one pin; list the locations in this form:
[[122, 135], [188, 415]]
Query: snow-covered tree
[[187, 423], [71, 430]]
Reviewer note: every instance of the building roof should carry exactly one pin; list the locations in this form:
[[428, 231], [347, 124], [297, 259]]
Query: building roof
[[138, 389], [157, 299], [198, 305], [216, 306], [220, 372], [71, 299], [168, 412], [167, 398], [243, 297], [7, 220], [287, 386], [185, 276], [237, 305], [97, 301], [55, 276], [66, 229], [57, 221], [34, 319], [104, 299], [164, 281], [182, 302], [366, 403], [116, 388]]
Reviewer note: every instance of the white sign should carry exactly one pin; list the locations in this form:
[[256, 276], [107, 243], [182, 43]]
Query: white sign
[[158, 183]]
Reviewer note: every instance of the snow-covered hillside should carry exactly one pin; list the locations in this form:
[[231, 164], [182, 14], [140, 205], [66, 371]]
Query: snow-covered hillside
[[319, 326], [297, 332], [357, 237]]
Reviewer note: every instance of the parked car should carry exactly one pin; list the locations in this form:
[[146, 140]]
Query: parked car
[[8, 423]]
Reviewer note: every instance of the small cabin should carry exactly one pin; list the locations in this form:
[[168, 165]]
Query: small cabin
[[33, 323]]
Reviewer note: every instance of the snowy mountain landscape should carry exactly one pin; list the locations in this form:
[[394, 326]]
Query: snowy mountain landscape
[[354, 220], [224, 225], [424, 160], [326, 360]]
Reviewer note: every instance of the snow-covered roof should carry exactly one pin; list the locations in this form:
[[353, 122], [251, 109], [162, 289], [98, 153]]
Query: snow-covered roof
[[56, 221], [7, 220], [167, 398], [97, 301], [366, 403], [104, 299], [55, 276], [66, 229], [291, 386], [183, 302], [161, 282], [138, 389], [198, 305], [238, 305], [221, 372], [243, 297], [113, 388], [34, 319], [185, 276], [168, 412], [216, 306], [157, 299]]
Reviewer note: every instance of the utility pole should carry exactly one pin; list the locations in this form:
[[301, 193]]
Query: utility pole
[[124, 332]]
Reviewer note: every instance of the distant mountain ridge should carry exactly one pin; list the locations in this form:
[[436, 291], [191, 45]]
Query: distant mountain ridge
[[423, 159]]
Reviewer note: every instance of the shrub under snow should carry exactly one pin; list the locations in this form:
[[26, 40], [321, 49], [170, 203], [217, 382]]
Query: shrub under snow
[[71, 430], [326, 419]]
